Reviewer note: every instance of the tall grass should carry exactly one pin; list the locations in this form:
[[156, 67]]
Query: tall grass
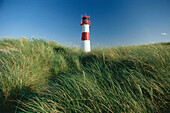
[[41, 76]]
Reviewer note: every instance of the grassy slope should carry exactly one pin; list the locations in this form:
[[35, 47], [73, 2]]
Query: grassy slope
[[41, 76]]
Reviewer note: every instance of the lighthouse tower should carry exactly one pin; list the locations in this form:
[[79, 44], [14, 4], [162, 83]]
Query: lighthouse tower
[[85, 23]]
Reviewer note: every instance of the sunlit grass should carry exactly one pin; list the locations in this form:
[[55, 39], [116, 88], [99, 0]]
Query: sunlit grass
[[42, 76]]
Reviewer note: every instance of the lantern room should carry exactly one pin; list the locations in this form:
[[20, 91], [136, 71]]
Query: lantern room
[[85, 20]]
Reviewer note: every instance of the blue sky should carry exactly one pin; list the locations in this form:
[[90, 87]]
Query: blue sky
[[114, 22]]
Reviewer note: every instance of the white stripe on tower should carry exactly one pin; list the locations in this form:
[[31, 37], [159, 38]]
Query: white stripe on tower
[[85, 45], [85, 28]]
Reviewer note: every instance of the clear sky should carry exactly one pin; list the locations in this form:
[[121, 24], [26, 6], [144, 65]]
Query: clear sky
[[114, 22]]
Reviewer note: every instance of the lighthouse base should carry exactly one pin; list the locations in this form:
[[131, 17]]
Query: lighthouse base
[[85, 45]]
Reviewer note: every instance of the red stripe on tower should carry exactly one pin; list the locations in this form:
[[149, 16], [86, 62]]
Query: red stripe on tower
[[85, 36]]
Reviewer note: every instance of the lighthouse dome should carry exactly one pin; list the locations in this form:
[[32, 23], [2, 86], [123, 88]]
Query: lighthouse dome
[[85, 17]]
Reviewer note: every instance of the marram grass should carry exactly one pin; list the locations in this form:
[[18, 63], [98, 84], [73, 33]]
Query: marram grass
[[45, 77]]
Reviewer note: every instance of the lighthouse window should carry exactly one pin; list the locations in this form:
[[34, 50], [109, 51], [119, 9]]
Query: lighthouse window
[[85, 19]]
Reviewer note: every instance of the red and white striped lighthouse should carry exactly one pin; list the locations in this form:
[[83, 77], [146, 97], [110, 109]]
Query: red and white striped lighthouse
[[85, 23]]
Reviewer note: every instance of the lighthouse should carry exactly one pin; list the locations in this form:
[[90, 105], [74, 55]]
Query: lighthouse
[[85, 44]]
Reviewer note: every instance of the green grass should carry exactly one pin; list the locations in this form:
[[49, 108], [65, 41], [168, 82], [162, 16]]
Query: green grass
[[44, 76]]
